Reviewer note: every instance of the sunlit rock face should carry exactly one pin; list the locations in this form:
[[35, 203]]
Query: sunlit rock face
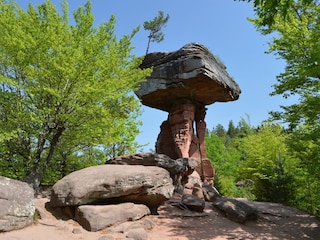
[[182, 83], [191, 72]]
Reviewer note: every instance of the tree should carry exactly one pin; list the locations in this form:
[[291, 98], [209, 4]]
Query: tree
[[270, 164], [295, 27], [155, 26], [267, 10], [232, 133], [65, 89], [297, 42], [307, 150], [299, 45], [225, 159], [244, 127], [220, 131], [215, 147]]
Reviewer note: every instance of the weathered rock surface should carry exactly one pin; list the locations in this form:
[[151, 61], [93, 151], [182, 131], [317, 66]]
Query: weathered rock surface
[[210, 193], [235, 210], [175, 167], [193, 203], [191, 72], [113, 183], [16, 204], [146, 224], [194, 179], [179, 169], [206, 170], [182, 83], [137, 234], [97, 217]]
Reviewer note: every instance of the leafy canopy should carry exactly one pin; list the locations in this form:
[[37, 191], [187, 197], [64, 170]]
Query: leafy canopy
[[298, 43], [294, 25], [63, 88], [267, 10]]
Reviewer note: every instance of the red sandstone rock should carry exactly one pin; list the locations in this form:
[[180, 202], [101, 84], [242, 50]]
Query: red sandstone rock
[[182, 83]]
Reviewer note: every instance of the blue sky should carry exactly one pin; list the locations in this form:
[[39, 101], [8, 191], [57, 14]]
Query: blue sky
[[222, 26]]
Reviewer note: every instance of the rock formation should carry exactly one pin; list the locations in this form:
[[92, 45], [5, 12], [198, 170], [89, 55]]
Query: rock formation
[[100, 196], [182, 83], [107, 184], [97, 217], [236, 210], [179, 169], [16, 204]]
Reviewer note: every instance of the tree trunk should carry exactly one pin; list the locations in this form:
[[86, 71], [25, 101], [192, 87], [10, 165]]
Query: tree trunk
[[35, 177], [148, 45]]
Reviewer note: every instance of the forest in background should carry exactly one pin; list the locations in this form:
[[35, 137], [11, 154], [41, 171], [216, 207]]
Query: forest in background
[[266, 163]]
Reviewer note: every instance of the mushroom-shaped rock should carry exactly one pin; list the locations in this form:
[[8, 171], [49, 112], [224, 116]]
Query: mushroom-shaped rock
[[182, 83], [191, 72]]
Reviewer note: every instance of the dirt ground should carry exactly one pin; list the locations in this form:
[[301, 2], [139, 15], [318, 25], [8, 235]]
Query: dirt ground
[[275, 222]]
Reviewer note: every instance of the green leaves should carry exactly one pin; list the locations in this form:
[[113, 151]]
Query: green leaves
[[297, 42], [268, 10], [71, 85], [155, 26], [296, 25]]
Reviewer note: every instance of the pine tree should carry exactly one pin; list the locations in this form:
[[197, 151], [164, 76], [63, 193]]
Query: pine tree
[[155, 26]]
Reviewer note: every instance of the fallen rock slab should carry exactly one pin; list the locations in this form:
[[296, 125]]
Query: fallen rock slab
[[179, 169], [193, 203], [97, 217], [235, 210], [174, 166], [16, 204], [113, 183]]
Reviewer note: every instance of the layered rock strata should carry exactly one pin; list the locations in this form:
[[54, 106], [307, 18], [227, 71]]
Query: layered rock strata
[[182, 83]]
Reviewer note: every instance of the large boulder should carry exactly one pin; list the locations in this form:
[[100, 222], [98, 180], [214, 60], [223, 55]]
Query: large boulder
[[97, 217], [16, 204], [114, 183], [181, 167], [191, 72]]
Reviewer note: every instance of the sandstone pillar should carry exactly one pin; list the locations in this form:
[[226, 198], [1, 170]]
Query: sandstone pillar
[[181, 118], [182, 136], [182, 83]]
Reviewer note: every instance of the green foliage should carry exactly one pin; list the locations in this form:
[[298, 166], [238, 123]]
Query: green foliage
[[65, 90], [155, 26], [298, 43], [296, 25], [308, 150], [231, 130], [215, 146], [283, 164], [267, 10], [269, 164], [223, 150]]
